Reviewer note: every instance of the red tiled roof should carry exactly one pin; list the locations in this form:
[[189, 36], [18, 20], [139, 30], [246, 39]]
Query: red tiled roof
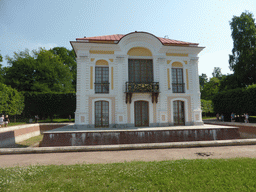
[[103, 38], [117, 37]]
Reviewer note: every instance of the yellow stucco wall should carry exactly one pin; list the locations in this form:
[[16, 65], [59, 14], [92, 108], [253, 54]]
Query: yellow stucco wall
[[139, 51], [177, 54], [91, 77], [101, 52], [112, 78], [168, 78], [177, 64], [101, 62]]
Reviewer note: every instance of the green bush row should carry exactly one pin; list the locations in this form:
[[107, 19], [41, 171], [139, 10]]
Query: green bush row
[[239, 101], [50, 104]]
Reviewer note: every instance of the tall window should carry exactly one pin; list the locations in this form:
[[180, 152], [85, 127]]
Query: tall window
[[140, 70], [101, 80], [178, 113], [177, 80], [101, 114]]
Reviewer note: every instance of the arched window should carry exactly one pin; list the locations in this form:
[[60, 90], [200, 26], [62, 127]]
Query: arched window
[[101, 77], [177, 78]]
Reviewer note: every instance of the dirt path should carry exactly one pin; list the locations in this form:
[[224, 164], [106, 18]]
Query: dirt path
[[129, 155]]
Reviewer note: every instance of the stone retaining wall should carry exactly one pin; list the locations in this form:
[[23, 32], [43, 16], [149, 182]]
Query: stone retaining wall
[[85, 138], [246, 130], [9, 136]]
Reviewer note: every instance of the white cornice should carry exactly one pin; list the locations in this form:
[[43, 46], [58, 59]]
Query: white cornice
[[181, 49]]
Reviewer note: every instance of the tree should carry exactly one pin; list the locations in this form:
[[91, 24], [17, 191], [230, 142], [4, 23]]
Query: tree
[[217, 72], [210, 88], [206, 106], [11, 101], [1, 70], [41, 71], [243, 58], [229, 82], [203, 80], [68, 58]]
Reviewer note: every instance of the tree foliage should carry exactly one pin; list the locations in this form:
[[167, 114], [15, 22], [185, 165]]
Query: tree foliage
[[1, 70], [217, 72], [203, 80], [11, 101], [206, 106], [39, 71], [68, 58], [210, 88], [243, 58], [229, 82]]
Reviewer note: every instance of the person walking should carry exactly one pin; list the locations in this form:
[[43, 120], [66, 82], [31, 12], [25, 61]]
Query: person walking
[[6, 120], [36, 118], [218, 116], [222, 117], [1, 120], [246, 118], [232, 117]]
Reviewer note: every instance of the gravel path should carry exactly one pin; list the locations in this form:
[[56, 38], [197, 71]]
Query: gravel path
[[127, 156]]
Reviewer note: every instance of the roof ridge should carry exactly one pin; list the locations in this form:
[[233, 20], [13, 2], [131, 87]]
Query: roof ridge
[[118, 37]]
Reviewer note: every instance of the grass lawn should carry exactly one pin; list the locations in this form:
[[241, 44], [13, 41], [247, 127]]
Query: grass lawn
[[208, 117], [16, 123], [42, 121], [182, 175], [56, 121], [31, 141]]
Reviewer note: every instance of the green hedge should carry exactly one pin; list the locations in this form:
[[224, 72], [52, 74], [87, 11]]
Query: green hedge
[[239, 101], [50, 104]]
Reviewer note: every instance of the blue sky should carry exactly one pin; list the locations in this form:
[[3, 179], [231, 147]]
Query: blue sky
[[49, 23]]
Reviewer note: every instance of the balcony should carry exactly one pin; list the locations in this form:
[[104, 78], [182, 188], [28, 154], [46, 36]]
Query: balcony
[[178, 87], [151, 87]]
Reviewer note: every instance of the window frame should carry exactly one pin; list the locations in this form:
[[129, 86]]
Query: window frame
[[148, 74], [101, 79], [178, 86]]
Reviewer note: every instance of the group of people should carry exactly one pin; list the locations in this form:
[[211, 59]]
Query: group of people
[[233, 117], [246, 117], [220, 117], [4, 120]]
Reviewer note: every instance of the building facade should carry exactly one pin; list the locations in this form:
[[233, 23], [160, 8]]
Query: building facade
[[138, 80]]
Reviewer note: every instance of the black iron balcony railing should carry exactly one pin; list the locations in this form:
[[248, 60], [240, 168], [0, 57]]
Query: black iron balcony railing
[[178, 87], [152, 87], [101, 87]]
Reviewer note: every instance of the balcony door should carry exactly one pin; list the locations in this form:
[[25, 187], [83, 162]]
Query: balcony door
[[140, 70], [141, 114], [178, 113], [101, 114]]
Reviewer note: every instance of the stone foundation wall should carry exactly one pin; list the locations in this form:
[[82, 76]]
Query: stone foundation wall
[[81, 138], [9, 136]]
